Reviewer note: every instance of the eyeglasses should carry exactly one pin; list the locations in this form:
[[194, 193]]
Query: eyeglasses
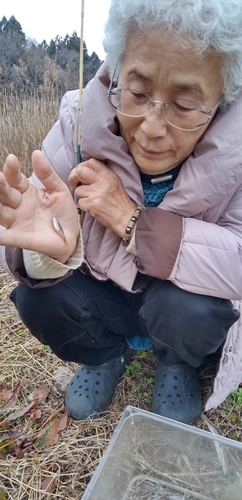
[[182, 114]]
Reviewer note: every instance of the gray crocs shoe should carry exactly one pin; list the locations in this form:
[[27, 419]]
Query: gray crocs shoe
[[177, 392], [91, 389]]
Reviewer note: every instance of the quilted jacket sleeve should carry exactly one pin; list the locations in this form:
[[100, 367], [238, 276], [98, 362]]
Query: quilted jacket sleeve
[[209, 259]]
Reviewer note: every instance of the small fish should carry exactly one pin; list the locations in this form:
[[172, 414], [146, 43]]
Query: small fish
[[58, 228]]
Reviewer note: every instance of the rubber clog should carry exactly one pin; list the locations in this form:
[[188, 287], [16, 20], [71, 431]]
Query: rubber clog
[[91, 389], [177, 392]]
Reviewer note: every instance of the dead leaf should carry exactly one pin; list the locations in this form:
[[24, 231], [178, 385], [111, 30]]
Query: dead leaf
[[47, 485], [17, 414], [37, 414], [21, 412], [5, 393], [50, 434], [63, 375], [11, 402], [40, 394], [15, 444]]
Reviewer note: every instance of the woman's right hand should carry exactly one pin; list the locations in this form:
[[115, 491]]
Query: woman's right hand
[[27, 211]]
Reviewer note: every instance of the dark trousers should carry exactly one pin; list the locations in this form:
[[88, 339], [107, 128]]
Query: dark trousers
[[87, 321]]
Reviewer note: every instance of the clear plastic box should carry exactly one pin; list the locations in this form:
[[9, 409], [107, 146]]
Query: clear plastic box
[[154, 458]]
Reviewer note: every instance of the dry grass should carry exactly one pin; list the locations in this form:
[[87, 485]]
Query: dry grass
[[24, 122], [62, 470]]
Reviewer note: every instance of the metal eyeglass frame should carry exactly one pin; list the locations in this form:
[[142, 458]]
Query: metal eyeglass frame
[[113, 90]]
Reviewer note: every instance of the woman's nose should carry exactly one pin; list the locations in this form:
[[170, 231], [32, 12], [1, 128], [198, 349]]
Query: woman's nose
[[154, 123]]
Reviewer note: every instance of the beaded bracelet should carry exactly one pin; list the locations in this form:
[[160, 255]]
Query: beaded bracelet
[[131, 224]]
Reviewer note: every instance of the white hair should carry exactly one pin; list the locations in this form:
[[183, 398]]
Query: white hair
[[210, 25]]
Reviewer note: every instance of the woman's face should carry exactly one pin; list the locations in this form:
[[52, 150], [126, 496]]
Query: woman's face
[[163, 69]]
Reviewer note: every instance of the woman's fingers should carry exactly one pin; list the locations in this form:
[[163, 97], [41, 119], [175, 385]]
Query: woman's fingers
[[13, 175], [88, 172], [9, 197], [46, 174]]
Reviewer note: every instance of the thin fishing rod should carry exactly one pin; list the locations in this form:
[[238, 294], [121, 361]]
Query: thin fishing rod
[[81, 69]]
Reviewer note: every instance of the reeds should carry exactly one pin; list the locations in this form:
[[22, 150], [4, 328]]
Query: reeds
[[24, 122]]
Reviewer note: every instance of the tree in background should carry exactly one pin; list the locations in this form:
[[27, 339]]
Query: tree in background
[[29, 67]]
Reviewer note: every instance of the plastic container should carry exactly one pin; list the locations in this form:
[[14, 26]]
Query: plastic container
[[154, 458]]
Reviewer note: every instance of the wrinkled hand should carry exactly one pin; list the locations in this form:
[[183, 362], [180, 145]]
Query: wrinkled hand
[[102, 194], [26, 211]]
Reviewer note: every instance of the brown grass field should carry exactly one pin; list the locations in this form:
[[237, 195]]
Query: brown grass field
[[43, 452]]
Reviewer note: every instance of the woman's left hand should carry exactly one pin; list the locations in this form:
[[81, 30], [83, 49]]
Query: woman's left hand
[[30, 214], [102, 194]]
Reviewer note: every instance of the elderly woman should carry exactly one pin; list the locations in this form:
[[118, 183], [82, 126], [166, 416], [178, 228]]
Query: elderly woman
[[157, 262]]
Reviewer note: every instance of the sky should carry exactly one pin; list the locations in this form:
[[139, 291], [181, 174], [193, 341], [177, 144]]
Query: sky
[[48, 18]]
